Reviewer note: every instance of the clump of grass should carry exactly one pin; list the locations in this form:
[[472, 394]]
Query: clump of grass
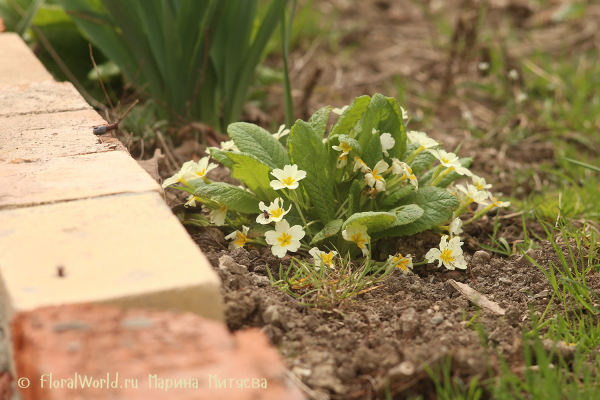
[[327, 287]]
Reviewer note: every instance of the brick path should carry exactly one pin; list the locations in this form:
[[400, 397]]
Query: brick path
[[81, 223]]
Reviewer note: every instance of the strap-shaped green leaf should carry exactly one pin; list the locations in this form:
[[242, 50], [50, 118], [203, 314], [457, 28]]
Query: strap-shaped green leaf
[[319, 120], [254, 140], [437, 204], [254, 173], [374, 221], [331, 229], [231, 196], [309, 153]]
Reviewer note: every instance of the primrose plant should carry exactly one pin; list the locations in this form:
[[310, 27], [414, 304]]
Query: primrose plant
[[365, 180]]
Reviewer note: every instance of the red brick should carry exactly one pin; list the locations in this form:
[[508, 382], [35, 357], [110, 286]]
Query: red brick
[[96, 340]]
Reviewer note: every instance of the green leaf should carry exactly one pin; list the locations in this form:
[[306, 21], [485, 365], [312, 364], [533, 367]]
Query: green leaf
[[235, 198], [451, 177], [437, 204], [331, 229], [407, 214], [349, 118], [309, 153], [373, 153], [254, 140], [353, 199], [382, 115], [374, 221], [258, 230], [393, 197], [254, 174], [399, 135], [221, 156], [423, 161], [319, 120]]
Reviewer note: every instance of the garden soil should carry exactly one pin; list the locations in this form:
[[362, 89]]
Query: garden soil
[[387, 337]]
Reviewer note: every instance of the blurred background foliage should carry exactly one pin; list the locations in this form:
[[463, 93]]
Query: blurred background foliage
[[196, 59]]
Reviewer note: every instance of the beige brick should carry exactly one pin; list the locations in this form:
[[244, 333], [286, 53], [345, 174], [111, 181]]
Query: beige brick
[[40, 98], [128, 250], [18, 64], [94, 341], [72, 178], [42, 136]]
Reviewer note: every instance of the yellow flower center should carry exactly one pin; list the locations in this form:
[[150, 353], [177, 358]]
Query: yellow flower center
[[479, 186], [359, 240], [343, 156], [447, 256], [445, 160], [401, 262], [284, 239], [241, 239], [201, 173], [376, 175], [345, 147], [276, 213], [327, 258], [223, 209], [289, 181]]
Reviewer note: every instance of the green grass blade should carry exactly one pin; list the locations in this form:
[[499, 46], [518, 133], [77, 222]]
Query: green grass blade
[[25, 23]]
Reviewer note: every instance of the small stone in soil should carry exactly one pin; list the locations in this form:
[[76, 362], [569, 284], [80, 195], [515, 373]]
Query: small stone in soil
[[524, 261], [543, 293], [506, 281], [480, 258], [416, 288], [437, 319], [227, 263]]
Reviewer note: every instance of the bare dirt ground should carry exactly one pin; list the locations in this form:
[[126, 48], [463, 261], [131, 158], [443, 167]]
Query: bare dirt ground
[[383, 337]]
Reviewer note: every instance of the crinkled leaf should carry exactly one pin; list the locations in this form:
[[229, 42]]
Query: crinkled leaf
[[399, 135], [221, 156], [404, 215], [353, 199], [254, 140], [437, 204], [422, 162], [393, 197], [331, 229], [233, 197], [349, 118], [309, 153], [373, 153], [254, 173], [451, 177], [381, 115], [319, 120], [374, 221]]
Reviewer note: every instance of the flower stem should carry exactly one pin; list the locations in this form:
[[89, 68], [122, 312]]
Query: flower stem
[[411, 157], [462, 208], [441, 176], [295, 201]]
